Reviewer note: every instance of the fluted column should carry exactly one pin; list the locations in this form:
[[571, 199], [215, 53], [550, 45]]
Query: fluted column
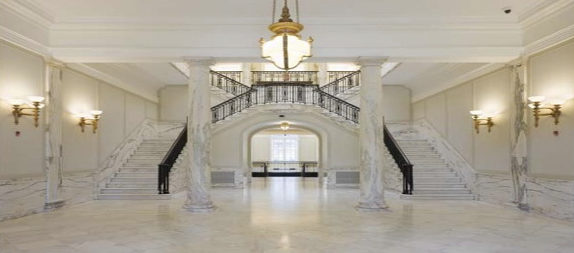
[[53, 135], [199, 136], [371, 135]]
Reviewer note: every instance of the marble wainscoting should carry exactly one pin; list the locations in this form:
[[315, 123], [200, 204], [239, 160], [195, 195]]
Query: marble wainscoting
[[21, 197], [550, 197]]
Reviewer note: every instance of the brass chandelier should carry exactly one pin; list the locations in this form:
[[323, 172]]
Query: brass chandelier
[[286, 50]]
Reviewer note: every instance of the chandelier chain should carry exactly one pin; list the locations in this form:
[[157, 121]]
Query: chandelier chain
[[273, 12], [297, 9]]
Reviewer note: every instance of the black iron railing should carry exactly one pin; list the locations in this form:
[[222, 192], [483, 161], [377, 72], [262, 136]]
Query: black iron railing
[[170, 158], [235, 75], [281, 93], [284, 76], [336, 105], [342, 84], [227, 84], [402, 161], [335, 75]]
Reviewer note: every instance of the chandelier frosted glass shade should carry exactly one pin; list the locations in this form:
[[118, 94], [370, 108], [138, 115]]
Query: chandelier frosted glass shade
[[286, 51]]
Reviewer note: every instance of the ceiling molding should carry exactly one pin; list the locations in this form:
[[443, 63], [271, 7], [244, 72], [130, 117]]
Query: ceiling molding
[[24, 42], [543, 11], [29, 11], [549, 41], [488, 68], [95, 73]]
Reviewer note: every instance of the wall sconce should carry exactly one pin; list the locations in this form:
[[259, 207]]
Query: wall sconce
[[19, 106], [480, 119], [90, 119], [537, 106]]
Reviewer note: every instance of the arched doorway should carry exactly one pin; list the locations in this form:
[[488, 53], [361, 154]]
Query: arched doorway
[[277, 152]]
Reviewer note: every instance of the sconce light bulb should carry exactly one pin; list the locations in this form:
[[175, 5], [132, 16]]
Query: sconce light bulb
[[284, 126], [36, 99], [538, 99], [96, 112], [15, 101], [476, 112], [557, 101]]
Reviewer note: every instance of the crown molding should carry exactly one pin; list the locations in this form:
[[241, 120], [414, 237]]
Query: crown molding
[[24, 42], [549, 41], [543, 11], [29, 11], [478, 72]]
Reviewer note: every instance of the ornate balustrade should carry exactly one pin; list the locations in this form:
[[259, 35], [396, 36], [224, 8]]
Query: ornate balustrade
[[235, 75], [342, 84], [284, 76], [335, 75], [282, 93], [226, 83]]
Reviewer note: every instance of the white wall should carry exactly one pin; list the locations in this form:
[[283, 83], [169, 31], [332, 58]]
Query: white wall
[[552, 75], [396, 102], [173, 102], [448, 113]]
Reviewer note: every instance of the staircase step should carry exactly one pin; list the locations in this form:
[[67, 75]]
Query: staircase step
[[436, 180], [434, 174], [132, 185], [440, 197], [129, 191], [131, 170], [134, 196], [136, 174], [423, 185], [427, 191], [133, 180]]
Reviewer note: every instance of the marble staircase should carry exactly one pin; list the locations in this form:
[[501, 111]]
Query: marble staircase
[[137, 178], [433, 178]]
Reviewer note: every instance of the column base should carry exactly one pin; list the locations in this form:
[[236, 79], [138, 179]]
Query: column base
[[202, 208], [371, 207], [524, 207], [52, 205]]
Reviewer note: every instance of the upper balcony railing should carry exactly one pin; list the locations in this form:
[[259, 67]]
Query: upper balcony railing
[[285, 93], [342, 84], [226, 83], [235, 75], [259, 77], [334, 75]]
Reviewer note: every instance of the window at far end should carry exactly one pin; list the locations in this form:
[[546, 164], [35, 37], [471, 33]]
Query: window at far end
[[284, 147]]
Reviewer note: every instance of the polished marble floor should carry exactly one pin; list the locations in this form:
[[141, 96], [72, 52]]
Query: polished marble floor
[[286, 215]]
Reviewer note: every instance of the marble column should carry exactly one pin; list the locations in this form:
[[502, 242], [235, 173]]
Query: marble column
[[246, 73], [371, 135], [199, 136], [53, 135], [519, 159]]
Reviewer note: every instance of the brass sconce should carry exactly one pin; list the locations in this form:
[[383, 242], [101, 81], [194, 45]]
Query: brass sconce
[[480, 119], [537, 106], [90, 119], [19, 106]]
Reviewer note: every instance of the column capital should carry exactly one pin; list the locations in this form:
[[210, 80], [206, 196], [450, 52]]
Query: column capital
[[205, 61], [51, 62], [371, 60]]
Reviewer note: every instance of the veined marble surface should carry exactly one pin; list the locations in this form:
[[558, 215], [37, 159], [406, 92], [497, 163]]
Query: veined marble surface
[[285, 215]]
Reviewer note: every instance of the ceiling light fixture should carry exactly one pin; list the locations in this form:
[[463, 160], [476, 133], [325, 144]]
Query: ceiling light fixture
[[286, 50]]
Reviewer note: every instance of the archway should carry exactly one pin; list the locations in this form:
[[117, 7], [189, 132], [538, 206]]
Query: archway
[[289, 152]]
